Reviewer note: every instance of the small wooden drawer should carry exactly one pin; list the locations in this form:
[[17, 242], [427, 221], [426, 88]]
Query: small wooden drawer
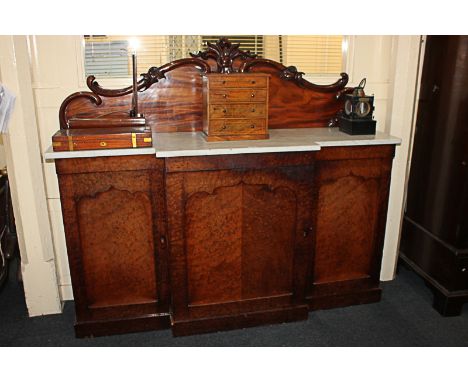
[[238, 95], [238, 126], [237, 110], [238, 81]]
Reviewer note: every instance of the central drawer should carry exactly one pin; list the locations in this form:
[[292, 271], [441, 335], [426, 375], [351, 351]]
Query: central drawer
[[238, 110]]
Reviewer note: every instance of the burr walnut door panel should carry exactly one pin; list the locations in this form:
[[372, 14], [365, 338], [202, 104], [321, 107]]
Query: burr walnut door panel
[[117, 247], [352, 192], [113, 211], [239, 239]]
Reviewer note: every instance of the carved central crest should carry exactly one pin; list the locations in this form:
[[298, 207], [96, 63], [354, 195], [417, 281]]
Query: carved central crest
[[224, 52]]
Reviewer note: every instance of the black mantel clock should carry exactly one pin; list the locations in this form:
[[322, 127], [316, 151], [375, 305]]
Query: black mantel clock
[[357, 117]]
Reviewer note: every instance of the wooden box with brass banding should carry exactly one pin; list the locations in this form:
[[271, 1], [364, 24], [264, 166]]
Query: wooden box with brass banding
[[101, 138], [235, 106]]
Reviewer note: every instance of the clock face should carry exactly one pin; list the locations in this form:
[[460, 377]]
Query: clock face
[[362, 109], [348, 107]]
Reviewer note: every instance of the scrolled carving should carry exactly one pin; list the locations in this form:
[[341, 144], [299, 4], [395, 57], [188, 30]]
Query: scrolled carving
[[152, 76], [342, 92], [155, 74], [201, 65], [224, 53], [291, 74], [94, 86], [63, 108]]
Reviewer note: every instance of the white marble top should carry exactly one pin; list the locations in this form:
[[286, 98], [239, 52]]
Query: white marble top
[[329, 137], [167, 145], [193, 144]]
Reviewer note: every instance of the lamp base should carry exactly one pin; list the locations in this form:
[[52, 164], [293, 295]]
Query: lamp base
[[357, 126]]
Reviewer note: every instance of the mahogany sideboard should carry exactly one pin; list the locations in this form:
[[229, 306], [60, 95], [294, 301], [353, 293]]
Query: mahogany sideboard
[[213, 242], [201, 236]]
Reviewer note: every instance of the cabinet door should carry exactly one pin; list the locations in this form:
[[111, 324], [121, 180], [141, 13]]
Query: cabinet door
[[352, 194], [239, 237], [113, 210]]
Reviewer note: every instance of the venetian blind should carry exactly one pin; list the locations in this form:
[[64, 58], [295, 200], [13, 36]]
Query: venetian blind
[[320, 55], [108, 56], [152, 51]]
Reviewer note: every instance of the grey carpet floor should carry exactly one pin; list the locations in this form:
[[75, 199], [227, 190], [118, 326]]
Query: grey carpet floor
[[404, 317]]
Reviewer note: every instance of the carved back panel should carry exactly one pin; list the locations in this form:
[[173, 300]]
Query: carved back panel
[[170, 96]]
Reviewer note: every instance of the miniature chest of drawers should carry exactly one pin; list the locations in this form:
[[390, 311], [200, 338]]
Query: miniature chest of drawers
[[235, 106]]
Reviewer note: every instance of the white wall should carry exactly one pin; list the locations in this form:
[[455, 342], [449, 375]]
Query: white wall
[[23, 157], [56, 71], [388, 62]]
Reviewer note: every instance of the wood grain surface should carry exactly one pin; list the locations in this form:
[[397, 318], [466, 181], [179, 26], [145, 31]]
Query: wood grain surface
[[352, 186]]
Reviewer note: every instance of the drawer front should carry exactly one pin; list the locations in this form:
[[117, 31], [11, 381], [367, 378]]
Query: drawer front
[[238, 82], [238, 95], [237, 126], [240, 110]]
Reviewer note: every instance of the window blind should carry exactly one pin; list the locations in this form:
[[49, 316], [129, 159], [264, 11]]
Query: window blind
[[108, 56], [316, 55], [152, 51]]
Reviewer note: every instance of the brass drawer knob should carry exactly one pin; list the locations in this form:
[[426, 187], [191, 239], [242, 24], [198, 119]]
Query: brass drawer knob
[[252, 126], [253, 95], [224, 127], [224, 95], [103, 144]]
